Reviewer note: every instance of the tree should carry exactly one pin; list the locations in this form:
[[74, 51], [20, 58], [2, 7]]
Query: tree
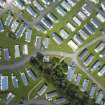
[[56, 76]]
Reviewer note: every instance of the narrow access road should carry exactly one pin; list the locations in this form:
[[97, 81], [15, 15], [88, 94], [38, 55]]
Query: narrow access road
[[73, 56], [16, 65], [36, 102]]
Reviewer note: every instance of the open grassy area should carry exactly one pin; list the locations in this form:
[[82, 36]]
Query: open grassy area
[[22, 91], [62, 22], [25, 92], [7, 42], [61, 25]]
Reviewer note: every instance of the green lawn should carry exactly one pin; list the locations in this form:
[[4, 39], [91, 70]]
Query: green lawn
[[22, 91], [8, 42], [62, 22]]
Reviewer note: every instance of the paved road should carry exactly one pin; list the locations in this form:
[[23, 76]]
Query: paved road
[[102, 38], [50, 53], [40, 102], [36, 102], [73, 56], [9, 6], [16, 65], [99, 38], [58, 53], [89, 75]]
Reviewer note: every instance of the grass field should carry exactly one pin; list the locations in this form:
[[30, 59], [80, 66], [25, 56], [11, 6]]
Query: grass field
[[22, 91], [25, 92], [8, 42]]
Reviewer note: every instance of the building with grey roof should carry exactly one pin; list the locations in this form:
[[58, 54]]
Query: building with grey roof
[[24, 79], [78, 79], [42, 90], [20, 31], [38, 42], [60, 11], [83, 34], [96, 66], [19, 4], [25, 49], [83, 54], [87, 9], [4, 85], [46, 42], [2, 3], [9, 98], [103, 6], [77, 39], [71, 71], [41, 27], [100, 47], [88, 60], [72, 2], [0, 53], [52, 17], [17, 51], [28, 35], [1, 26], [77, 20], [90, 28], [38, 5], [95, 22], [46, 59], [47, 23], [73, 45], [7, 54], [99, 97], [102, 71], [15, 81], [101, 16], [27, 1], [59, 101], [65, 5], [57, 38], [31, 74], [84, 85], [81, 15], [31, 11], [102, 54], [70, 26], [92, 91], [8, 20], [14, 25], [63, 34], [51, 95], [45, 2]]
